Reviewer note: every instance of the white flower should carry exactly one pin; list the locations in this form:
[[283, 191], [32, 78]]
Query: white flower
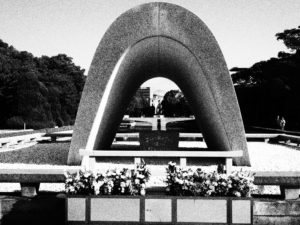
[[237, 194], [72, 189], [180, 181], [140, 176], [209, 192], [137, 181], [122, 184], [143, 192], [110, 183], [87, 174]]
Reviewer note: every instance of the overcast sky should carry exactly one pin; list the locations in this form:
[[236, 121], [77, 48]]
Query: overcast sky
[[244, 29]]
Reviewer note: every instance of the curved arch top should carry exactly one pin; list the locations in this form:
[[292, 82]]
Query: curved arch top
[[158, 39]]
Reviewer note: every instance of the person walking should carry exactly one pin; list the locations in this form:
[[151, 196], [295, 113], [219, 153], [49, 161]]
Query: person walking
[[278, 121], [282, 123]]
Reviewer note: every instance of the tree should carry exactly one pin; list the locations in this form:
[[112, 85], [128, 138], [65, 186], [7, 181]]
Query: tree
[[175, 104], [138, 106], [291, 38], [271, 88], [40, 91]]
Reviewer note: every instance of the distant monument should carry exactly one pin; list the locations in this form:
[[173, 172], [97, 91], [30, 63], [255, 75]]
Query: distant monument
[[166, 40]]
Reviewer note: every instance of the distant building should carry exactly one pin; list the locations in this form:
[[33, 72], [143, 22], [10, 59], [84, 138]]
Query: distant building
[[144, 92], [158, 96]]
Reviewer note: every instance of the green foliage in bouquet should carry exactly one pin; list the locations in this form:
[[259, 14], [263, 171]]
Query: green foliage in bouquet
[[113, 182], [80, 183], [186, 182]]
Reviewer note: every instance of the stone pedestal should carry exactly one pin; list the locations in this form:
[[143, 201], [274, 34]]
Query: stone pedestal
[[159, 140], [29, 189]]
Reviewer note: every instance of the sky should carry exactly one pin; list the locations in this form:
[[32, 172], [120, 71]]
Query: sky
[[244, 29]]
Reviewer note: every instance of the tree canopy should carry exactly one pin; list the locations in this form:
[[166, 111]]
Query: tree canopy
[[291, 38], [139, 106], [39, 91], [271, 88], [175, 104]]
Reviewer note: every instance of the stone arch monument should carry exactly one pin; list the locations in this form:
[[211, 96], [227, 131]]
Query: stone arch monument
[[158, 39]]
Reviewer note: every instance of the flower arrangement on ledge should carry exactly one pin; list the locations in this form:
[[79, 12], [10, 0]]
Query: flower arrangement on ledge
[[113, 182], [180, 182], [186, 182]]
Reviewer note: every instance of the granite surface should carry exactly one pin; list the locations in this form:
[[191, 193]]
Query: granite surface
[[158, 39], [50, 209], [19, 177], [43, 153], [159, 140], [283, 178]]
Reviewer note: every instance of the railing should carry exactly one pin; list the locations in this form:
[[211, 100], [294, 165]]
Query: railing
[[90, 160]]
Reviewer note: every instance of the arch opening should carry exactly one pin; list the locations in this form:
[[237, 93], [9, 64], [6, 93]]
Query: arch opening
[[147, 100]]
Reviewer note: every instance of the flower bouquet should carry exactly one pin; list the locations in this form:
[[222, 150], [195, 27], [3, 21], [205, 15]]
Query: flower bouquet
[[113, 182], [186, 182]]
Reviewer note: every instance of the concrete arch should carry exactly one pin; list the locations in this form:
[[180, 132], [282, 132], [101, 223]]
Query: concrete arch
[[158, 39]]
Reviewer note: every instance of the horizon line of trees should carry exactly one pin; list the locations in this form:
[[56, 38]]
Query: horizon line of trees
[[38, 91], [45, 91]]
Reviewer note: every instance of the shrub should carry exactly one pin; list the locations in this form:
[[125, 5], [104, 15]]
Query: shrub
[[59, 122], [186, 182], [15, 122], [38, 124]]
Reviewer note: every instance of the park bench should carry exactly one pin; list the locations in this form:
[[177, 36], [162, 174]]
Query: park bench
[[183, 155], [4, 143], [54, 136], [8, 141], [288, 181], [126, 136], [31, 178], [288, 139]]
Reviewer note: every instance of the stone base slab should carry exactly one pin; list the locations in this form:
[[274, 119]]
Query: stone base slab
[[50, 209], [158, 210]]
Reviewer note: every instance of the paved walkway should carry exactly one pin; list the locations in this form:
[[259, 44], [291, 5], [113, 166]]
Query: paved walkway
[[163, 121], [151, 120]]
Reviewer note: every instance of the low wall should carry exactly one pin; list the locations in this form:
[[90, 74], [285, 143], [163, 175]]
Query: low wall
[[43, 209], [50, 209]]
